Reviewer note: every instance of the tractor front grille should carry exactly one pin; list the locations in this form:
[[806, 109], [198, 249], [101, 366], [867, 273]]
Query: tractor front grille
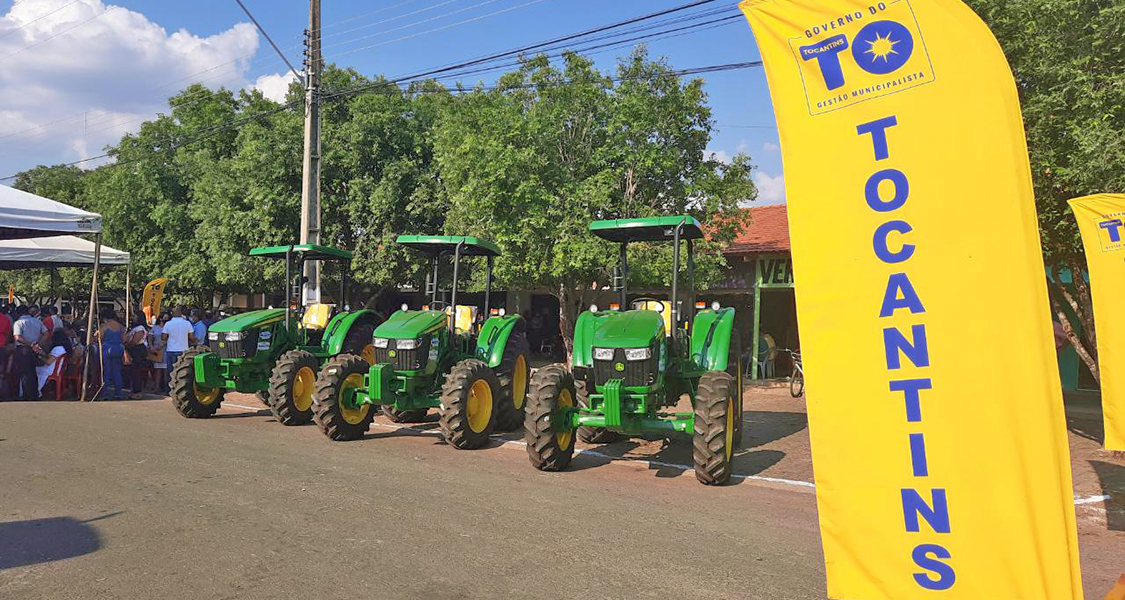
[[404, 360], [636, 373], [244, 348]]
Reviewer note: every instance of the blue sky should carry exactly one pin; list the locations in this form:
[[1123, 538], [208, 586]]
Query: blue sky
[[740, 99]]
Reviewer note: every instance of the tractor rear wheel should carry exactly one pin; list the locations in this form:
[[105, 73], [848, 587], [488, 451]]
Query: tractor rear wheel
[[592, 435], [335, 413], [735, 368], [190, 399], [468, 404], [513, 373], [548, 447], [713, 439], [292, 385], [405, 416]]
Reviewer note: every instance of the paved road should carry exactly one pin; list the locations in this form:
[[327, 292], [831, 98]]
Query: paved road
[[129, 500], [141, 503]]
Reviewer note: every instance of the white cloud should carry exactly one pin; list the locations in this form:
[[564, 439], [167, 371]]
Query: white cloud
[[770, 147], [771, 189], [274, 86], [742, 146], [99, 77]]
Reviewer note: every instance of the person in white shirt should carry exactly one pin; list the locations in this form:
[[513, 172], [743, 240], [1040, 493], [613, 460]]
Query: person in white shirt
[[156, 344], [179, 335], [60, 347]]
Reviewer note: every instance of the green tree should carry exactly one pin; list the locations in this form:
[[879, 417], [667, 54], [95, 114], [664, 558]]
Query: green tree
[[533, 161], [1068, 57]]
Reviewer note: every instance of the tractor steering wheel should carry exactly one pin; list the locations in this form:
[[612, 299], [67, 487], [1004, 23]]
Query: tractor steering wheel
[[643, 301], [439, 305]]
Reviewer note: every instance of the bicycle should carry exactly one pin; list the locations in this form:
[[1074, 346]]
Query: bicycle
[[797, 378]]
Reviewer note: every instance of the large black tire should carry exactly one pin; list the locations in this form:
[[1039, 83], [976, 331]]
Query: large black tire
[[337, 421], [713, 439], [592, 435], [735, 368], [468, 402], [514, 374], [189, 399], [292, 385], [551, 388], [358, 341], [405, 416]]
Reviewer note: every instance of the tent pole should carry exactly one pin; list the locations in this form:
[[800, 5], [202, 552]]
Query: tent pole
[[90, 316], [128, 295]]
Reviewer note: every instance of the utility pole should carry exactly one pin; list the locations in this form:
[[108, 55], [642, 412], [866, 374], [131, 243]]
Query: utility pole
[[310, 187]]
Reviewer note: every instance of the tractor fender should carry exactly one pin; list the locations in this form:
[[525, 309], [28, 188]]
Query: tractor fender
[[710, 338], [584, 329], [494, 335], [339, 327]]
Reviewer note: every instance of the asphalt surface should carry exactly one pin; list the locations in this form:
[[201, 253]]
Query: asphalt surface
[[130, 500]]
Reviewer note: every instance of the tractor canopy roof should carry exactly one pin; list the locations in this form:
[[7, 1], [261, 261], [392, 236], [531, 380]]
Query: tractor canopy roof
[[306, 251], [648, 229], [445, 244]]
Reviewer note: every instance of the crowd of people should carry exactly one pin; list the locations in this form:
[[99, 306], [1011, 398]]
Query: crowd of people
[[128, 359]]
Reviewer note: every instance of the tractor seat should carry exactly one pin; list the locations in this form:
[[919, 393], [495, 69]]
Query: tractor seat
[[317, 316]]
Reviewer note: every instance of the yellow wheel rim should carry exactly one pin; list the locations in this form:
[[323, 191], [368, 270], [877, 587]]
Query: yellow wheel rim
[[519, 382], [352, 416], [563, 438], [205, 396], [304, 383], [368, 354], [480, 405], [730, 428]]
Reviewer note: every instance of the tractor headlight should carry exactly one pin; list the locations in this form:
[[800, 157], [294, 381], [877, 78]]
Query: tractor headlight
[[382, 342], [408, 344], [213, 336], [638, 353], [603, 353], [234, 336]]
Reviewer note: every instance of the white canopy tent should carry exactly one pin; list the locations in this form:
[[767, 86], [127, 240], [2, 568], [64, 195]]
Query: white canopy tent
[[24, 215], [56, 251]]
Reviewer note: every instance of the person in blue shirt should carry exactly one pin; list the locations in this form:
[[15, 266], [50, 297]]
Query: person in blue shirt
[[199, 327]]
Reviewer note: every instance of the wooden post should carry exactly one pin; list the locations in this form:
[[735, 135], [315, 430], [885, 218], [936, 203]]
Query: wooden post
[[128, 295], [757, 320], [90, 316]]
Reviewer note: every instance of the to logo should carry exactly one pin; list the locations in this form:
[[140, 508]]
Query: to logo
[[880, 48], [1113, 227], [861, 56], [1110, 233]]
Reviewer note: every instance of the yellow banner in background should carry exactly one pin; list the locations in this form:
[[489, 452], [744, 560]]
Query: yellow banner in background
[[1101, 219], [935, 409]]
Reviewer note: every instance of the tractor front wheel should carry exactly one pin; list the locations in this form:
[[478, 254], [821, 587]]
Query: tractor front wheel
[[292, 385], [592, 435], [191, 399], [713, 439], [468, 403], [335, 410], [513, 373], [549, 446]]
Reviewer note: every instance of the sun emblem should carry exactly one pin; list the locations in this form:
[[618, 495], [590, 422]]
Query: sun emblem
[[882, 47]]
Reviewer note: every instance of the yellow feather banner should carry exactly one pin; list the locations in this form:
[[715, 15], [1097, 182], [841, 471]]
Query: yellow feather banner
[[1101, 219], [935, 408]]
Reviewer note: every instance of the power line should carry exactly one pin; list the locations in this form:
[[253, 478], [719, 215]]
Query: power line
[[37, 19], [235, 123], [268, 39]]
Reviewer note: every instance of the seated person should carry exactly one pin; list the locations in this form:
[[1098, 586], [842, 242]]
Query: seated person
[[60, 346]]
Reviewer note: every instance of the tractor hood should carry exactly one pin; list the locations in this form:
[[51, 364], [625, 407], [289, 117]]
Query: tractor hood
[[631, 329], [248, 320], [409, 324]]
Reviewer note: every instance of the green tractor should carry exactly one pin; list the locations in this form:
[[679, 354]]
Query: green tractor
[[631, 367], [434, 358], [275, 352]]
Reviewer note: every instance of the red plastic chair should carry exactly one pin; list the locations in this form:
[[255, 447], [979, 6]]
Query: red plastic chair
[[59, 378]]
